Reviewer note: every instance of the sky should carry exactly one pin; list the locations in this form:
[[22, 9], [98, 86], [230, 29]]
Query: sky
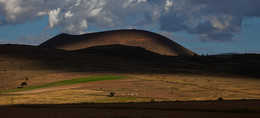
[[203, 26]]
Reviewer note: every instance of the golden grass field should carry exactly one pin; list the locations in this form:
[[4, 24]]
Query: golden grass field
[[138, 88]]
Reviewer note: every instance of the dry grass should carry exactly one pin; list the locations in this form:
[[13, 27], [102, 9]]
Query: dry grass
[[195, 87], [145, 87], [65, 97]]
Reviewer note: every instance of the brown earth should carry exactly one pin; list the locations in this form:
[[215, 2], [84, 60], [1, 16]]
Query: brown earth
[[148, 40], [204, 109]]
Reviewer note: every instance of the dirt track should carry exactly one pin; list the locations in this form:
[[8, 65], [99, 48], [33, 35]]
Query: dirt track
[[214, 109], [49, 89]]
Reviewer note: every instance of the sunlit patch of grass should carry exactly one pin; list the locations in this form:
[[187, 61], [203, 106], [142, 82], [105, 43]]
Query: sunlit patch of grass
[[65, 82], [71, 96]]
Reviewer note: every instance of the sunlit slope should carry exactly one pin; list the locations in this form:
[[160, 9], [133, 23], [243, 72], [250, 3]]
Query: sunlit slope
[[148, 40]]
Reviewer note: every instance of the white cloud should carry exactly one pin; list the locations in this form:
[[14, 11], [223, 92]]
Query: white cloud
[[70, 28], [68, 14], [78, 2], [95, 12], [75, 20], [53, 17], [42, 13], [132, 3], [83, 25], [12, 8], [168, 5]]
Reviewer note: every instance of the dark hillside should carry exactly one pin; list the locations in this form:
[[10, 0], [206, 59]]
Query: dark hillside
[[119, 58]]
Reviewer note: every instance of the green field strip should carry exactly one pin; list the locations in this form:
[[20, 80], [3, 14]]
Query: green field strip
[[65, 82]]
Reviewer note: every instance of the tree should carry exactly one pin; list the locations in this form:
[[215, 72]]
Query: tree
[[23, 83], [112, 94], [220, 99]]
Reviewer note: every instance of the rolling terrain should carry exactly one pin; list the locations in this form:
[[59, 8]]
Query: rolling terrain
[[60, 80], [125, 59], [142, 68]]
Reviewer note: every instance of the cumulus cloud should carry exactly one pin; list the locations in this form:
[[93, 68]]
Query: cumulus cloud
[[20, 11], [53, 17], [132, 3], [42, 13], [210, 20], [68, 14], [168, 5], [76, 17]]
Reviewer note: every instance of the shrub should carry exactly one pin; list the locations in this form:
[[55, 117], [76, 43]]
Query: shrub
[[152, 100], [220, 99], [112, 94], [23, 83]]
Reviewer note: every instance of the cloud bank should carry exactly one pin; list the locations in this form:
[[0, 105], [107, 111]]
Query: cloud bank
[[210, 20]]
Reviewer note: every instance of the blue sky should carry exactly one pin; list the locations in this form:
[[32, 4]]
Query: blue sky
[[204, 26]]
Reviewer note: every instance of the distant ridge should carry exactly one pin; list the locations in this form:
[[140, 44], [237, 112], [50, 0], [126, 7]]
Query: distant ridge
[[145, 39], [229, 53], [234, 53]]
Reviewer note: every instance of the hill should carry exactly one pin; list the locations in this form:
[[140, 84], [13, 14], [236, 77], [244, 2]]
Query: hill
[[147, 74], [120, 58], [148, 40]]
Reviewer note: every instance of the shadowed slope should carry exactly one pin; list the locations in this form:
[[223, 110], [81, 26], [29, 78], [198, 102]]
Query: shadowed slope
[[119, 58], [148, 40]]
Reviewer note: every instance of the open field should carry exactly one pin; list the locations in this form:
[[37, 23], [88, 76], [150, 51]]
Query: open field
[[141, 88]]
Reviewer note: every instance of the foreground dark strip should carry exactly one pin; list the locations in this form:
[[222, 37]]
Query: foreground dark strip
[[200, 109]]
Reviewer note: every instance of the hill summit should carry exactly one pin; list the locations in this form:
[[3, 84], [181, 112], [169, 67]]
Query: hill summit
[[145, 39]]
